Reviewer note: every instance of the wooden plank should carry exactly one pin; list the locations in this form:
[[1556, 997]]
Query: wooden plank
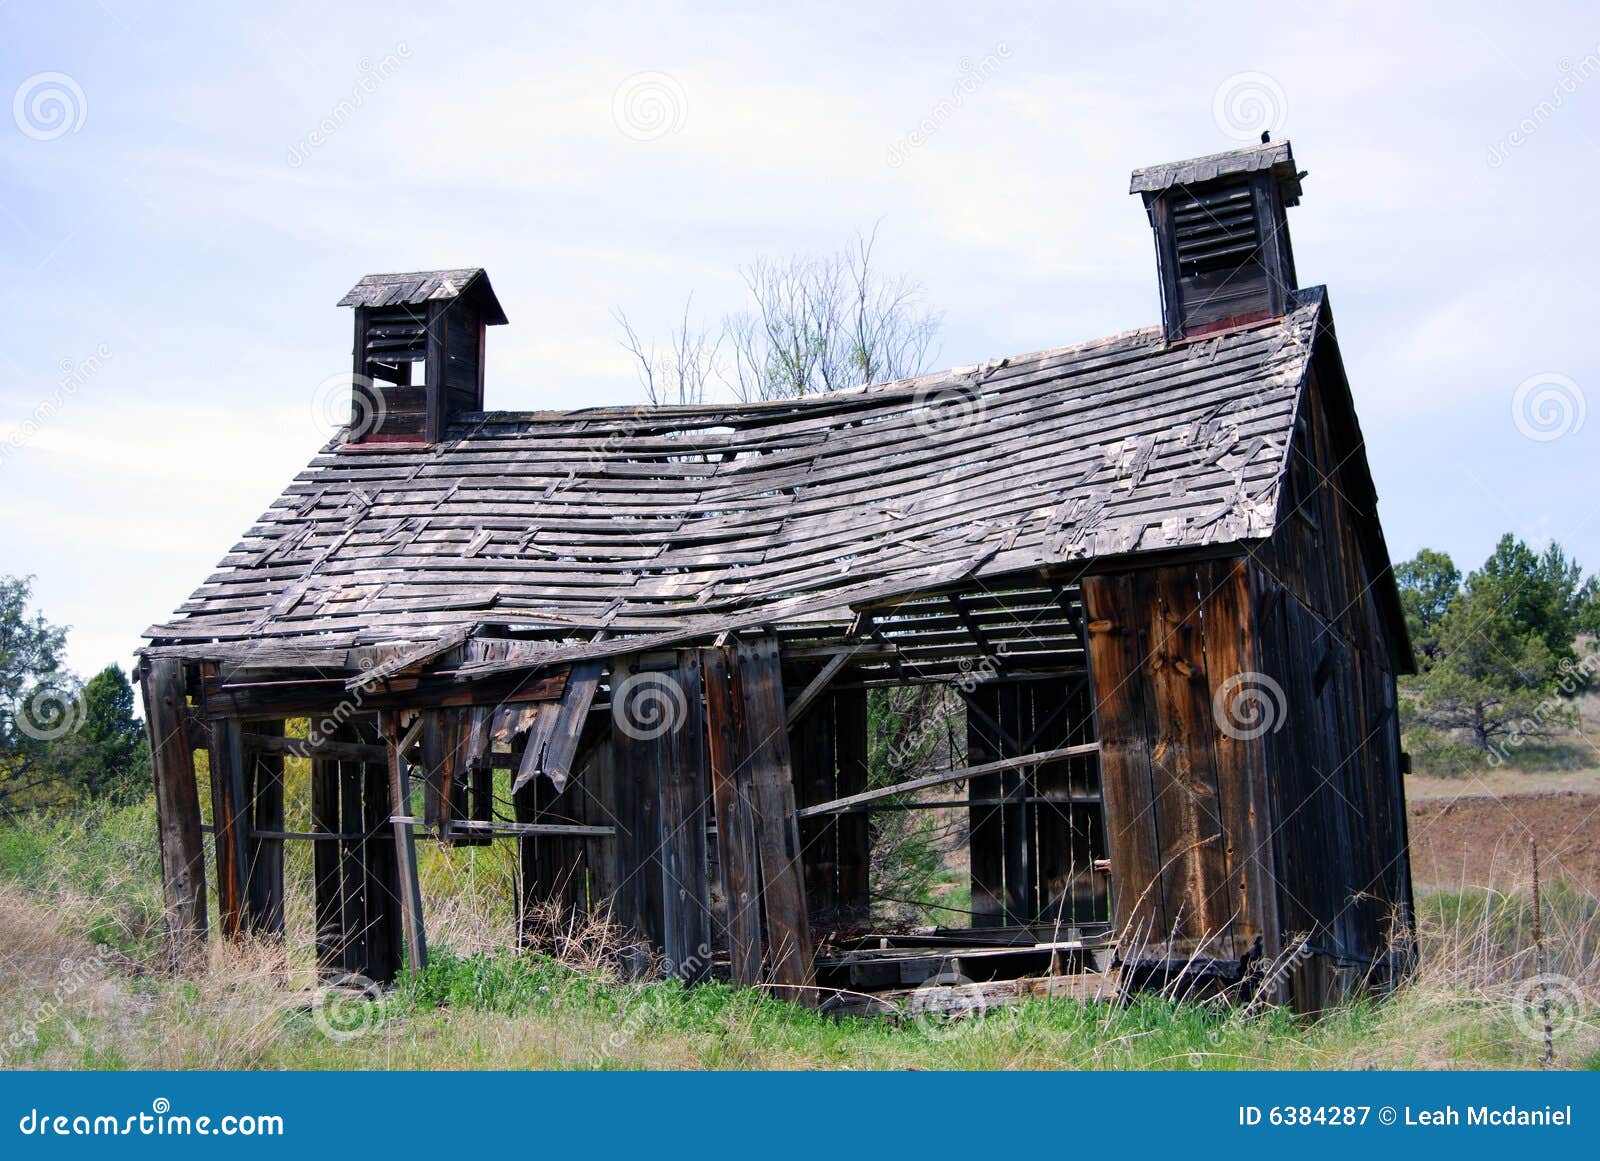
[[553, 740], [183, 876], [757, 688], [380, 882], [230, 819], [325, 856], [264, 792], [314, 697], [850, 730], [1242, 790], [815, 687], [405, 847], [944, 777], [811, 748], [1017, 814], [684, 885], [986, 744], [266, 738], [738, 858], [1124, 729], [1200, 906]]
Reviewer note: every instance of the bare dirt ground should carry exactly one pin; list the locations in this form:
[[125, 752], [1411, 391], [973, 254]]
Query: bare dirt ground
[[1480, 833]]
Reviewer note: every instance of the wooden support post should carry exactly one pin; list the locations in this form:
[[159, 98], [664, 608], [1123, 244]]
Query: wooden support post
[[230, 817], [757, 689], [737, 858], [854, 830], [686, 918], [332, 959], [985, 828], [1021, 858], [405, 846], [264, 790], [811, 749], [183, 876]]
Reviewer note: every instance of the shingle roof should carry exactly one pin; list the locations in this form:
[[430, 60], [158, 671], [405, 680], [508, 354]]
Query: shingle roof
[[418, 287], [687, 520], [1275, 155]]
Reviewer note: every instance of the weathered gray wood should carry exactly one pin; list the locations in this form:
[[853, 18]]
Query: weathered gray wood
[[757, 689], [943, 777], [405, 846], [183, 876]]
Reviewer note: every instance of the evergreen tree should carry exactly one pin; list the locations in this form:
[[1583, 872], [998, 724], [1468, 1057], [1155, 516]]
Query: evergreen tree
[[109, 755]]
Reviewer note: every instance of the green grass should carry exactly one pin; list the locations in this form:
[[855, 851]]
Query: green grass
[[70, 884]]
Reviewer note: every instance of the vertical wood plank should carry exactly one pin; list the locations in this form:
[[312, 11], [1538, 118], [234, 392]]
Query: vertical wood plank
[[758, 689], [684, 890], [325, 859], [264, 789], [1199, 909], [735, 816], [230, 824], [852, 831], [405, 847], [985, 825], [1243, 795], [183, 876], [1124, 726]]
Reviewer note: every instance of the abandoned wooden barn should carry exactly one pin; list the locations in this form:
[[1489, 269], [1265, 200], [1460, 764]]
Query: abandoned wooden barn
[[1149, 565]]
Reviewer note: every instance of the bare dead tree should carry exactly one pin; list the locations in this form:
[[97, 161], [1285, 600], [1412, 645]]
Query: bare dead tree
[[814, 324], [680, 373]]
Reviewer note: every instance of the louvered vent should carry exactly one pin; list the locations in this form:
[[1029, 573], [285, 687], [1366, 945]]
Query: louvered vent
[[397, 334], [1215, 228]]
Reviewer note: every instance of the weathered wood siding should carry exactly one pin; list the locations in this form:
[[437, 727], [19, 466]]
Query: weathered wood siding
[[1250, 742], [1327, 641], [1185, 803]]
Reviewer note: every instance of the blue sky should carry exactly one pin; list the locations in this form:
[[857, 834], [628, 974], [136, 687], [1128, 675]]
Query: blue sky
[[186, 190]]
